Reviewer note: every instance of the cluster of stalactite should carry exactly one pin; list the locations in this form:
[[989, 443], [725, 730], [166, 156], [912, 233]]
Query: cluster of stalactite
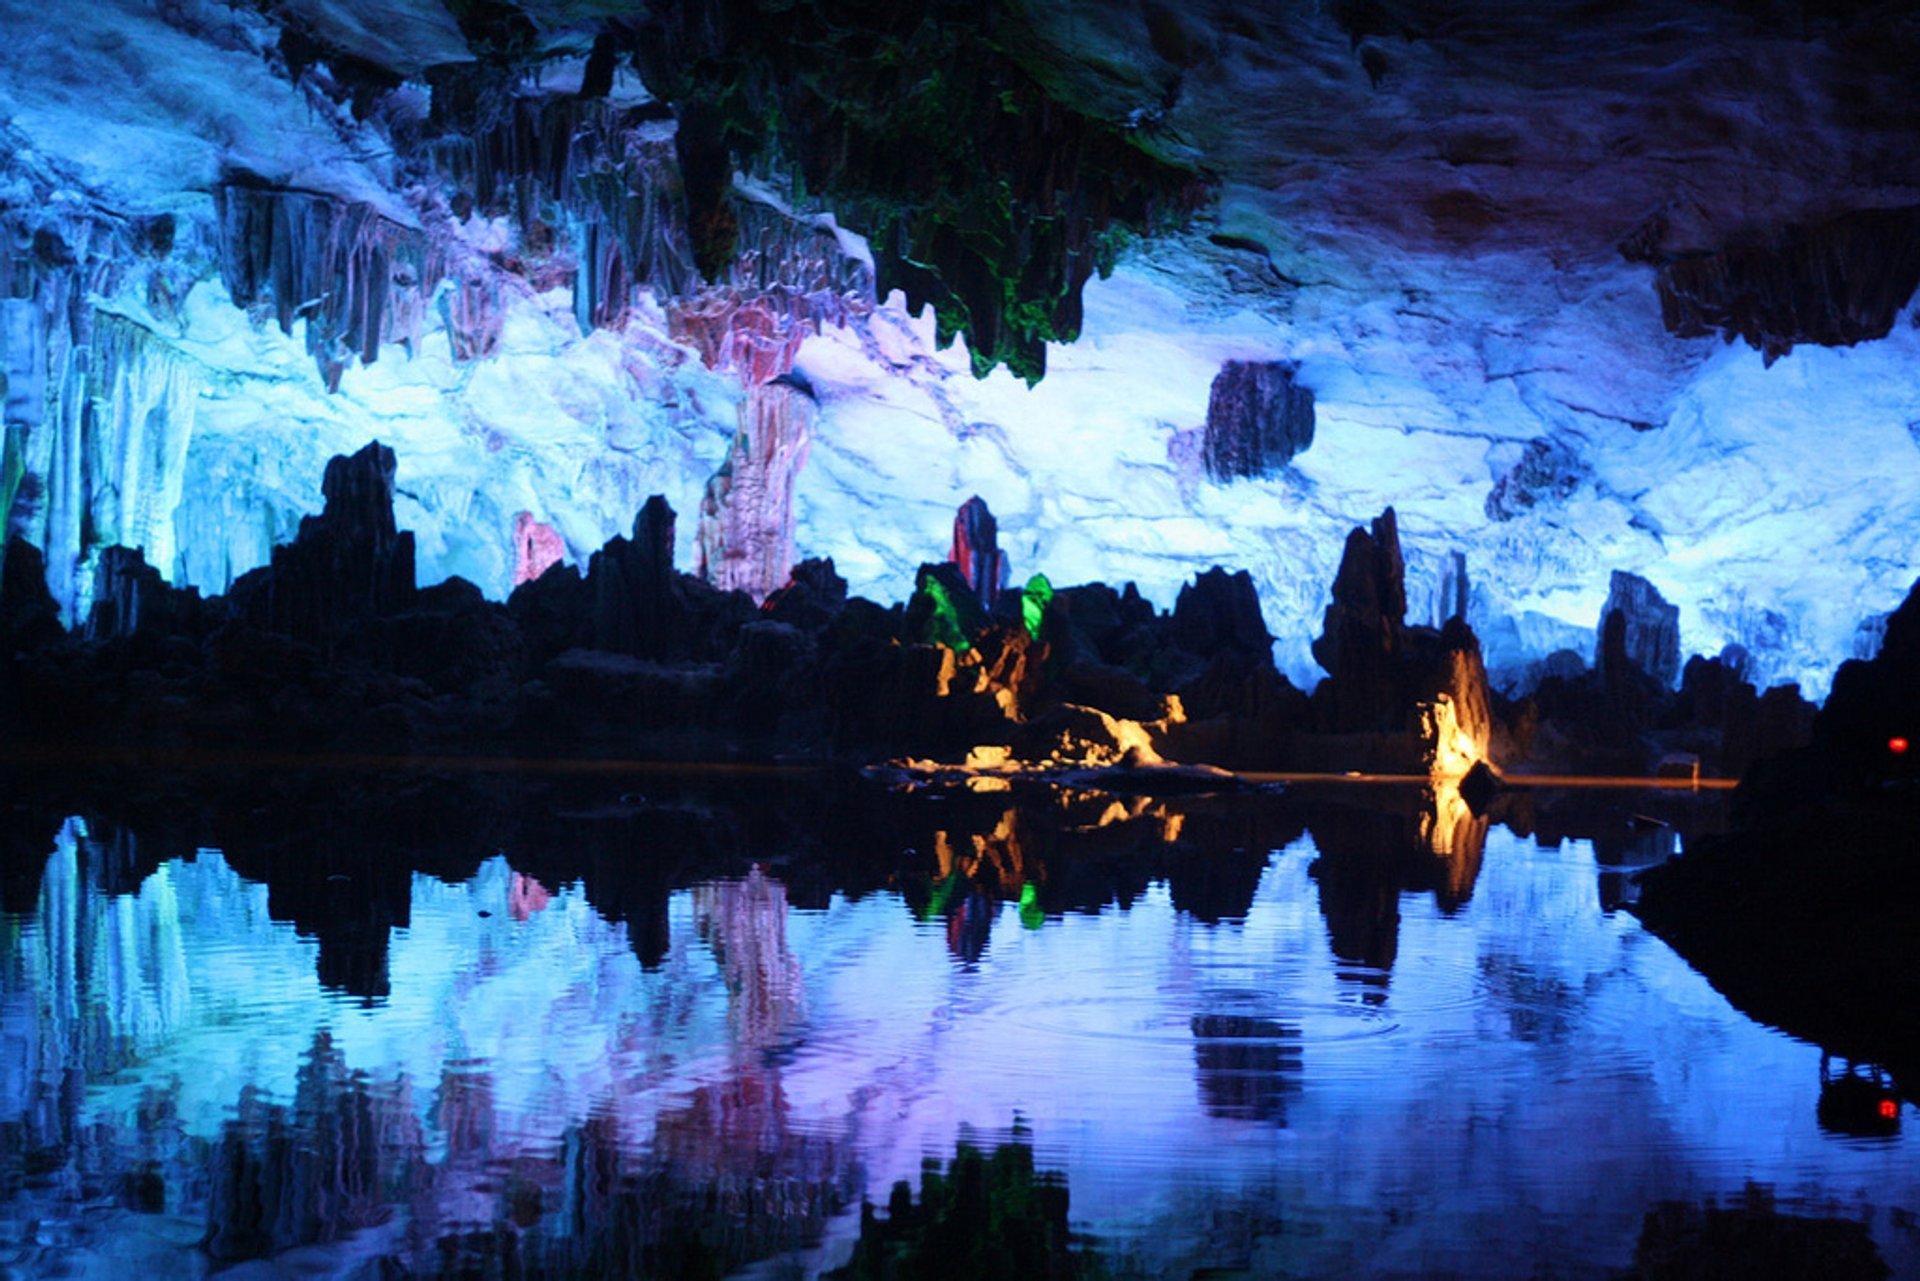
[[1836, 282], [982, 192], [99, 407], [357, 277], [599, 189]]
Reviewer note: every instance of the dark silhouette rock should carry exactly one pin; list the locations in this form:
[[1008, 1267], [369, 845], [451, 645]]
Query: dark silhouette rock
[[130, 598], [346, 565], [1219, 612], [636, 607], [552, 612], [29, 616], [1804, 914], [1361, 636], [1258, 419], [945, 609], [1835, 283], [813, 596], [1415, 698]]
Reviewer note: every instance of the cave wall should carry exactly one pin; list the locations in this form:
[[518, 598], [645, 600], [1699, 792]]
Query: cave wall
[[501, 293]]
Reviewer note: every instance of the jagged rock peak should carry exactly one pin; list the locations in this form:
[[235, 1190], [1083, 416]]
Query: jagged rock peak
[[349, 563], [359, 497], [1220, 612], [1649, 629], [653, 535], [1258, 419], [1370, 588]]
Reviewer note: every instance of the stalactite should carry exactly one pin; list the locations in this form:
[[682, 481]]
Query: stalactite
[[97, 409], [603, 184], [358, 278], [746, 518], [787, 279], [605, 175], [100, 451]]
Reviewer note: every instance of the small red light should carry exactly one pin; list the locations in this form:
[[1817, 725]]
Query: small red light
[[1889, 1109], [1897, 745]]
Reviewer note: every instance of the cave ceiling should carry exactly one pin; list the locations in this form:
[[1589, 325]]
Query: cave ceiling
[[1577, 286]]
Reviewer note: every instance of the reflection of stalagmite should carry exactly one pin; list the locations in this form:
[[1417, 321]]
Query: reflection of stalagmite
[[109, 974], [746, 518], [1453, 832], [317, 1171], [745, 922], [996, 859]]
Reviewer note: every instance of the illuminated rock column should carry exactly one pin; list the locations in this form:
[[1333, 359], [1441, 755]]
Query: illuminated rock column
[[746, 519]]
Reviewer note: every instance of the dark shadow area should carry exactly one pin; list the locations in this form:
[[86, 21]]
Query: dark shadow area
[[1753, 1240]]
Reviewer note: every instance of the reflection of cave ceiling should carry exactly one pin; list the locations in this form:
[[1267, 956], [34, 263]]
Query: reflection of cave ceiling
[[1574, 287]]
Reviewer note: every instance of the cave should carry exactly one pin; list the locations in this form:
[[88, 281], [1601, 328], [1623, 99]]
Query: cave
[[1058, 637]]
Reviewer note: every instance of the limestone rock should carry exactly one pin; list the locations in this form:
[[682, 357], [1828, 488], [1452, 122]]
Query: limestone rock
[[746, 517], [1258, 419], [1837, 282], [130, 597], [346, 565], [976, 551], [813, 596], [1360, 640], [635, 607], [1218, 613], [29, 616], [1650, 629]]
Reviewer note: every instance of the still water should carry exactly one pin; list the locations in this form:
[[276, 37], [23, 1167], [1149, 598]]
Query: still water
[[1093, 1037]]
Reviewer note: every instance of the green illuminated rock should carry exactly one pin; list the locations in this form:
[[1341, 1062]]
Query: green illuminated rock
[[934, 129]]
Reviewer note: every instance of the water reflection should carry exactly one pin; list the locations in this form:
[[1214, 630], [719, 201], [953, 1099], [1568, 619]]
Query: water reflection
[[673, 1034], [1246, 1066], [985, 1217], [1752, 1238]]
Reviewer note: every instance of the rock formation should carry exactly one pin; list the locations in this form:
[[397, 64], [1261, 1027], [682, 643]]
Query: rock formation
[[537, 548], [636, 607], [348, 564], [746, 517], [976, 551], [1387, 678], [1649, 630], [1837, 282], [357, 278], [1258, 418]]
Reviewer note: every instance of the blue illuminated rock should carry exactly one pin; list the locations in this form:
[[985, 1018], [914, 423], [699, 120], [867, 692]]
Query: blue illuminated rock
[[1650, 629]]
